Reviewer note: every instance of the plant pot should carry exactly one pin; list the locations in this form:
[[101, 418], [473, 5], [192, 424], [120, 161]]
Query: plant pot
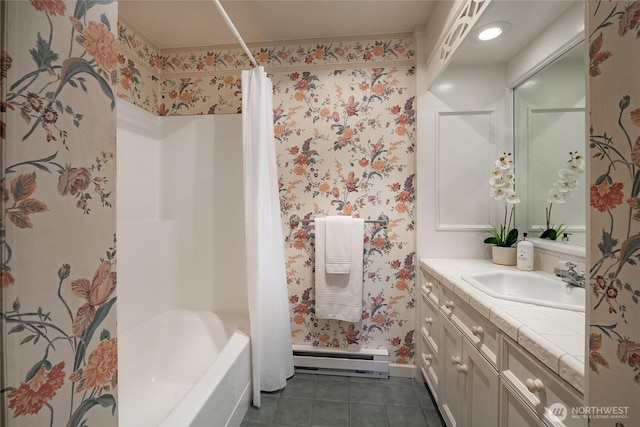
[[503, 255]]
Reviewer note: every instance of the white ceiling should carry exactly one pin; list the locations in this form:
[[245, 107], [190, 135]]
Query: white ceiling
[[528, 18], [189, 23]]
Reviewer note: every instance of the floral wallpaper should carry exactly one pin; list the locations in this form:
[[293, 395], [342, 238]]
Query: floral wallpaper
[[206, 80], [345, 141], [57, 230], [345, 136], [614, 317]]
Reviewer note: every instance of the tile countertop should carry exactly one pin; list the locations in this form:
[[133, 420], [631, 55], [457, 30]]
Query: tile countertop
[[555, 336]]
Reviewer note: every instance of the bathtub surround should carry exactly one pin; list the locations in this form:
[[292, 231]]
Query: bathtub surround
[[57, 238], [272, 355], [613, 317], [344, 127], [213, 388]]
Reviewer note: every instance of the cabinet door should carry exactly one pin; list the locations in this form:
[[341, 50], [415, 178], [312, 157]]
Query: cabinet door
[[452, 380], [513, 411], [482, 388]]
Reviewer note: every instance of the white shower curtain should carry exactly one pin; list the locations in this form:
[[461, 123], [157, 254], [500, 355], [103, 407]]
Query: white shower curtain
[[272, 355]]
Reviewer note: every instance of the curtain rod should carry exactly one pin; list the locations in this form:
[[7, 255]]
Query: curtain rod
[[235, 32]]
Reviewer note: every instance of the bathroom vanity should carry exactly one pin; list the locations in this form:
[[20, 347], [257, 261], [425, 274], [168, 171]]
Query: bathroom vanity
[[496, 362]]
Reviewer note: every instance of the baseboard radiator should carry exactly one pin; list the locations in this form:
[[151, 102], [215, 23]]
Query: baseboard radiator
[[368, 363]]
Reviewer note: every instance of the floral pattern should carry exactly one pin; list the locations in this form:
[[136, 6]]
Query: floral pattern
[[207, 80], [56, 194], [345, 141], [614, 352]]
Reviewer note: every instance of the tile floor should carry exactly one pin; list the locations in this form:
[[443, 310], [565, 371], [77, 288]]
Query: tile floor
[[329, 401]]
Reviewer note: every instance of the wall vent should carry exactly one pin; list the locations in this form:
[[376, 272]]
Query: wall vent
[[370, 363]]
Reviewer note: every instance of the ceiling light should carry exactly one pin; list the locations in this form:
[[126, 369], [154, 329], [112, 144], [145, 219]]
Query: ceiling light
[[491, 31]]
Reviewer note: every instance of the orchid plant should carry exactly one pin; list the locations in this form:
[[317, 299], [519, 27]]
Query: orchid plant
[[502, 189], [566, 183]]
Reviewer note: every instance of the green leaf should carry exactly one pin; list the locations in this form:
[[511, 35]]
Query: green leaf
[[491, 241], [512, 237], [82, 6], [105, 401], [105, 335], [627, 250], [607, 244], [73, 66], [549, 234], [601, 178], [34, 370], [636, 185], [42, 54], [18, 328], [105, 21]]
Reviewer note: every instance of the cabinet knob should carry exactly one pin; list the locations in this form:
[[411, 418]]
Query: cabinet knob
[[428, 285], [428, 357], [449, 305], [455, 360], [428, 320], [534, 386], [477, 331], [462, 368]]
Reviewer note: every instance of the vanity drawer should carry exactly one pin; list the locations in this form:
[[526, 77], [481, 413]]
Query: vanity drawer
[[430, 322], [429, 363], [430, 288], [538, 386], [482, 334]]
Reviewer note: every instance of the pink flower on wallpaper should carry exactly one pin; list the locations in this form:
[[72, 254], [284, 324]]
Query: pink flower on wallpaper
[[376, 302], [73, 180], [351, 106], [51, 7], [351, 334], [95, 293], [629, 352], [378, 319], [6, 279], [629, 19], [351, 182]]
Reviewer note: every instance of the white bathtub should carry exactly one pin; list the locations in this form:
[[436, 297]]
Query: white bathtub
[[184, 368]]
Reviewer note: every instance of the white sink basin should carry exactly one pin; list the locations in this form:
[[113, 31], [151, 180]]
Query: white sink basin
[[529, 287]]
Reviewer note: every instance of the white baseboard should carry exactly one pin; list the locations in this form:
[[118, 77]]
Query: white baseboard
[[403, 371]]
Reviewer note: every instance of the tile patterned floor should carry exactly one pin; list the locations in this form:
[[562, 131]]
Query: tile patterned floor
[[327, 401]]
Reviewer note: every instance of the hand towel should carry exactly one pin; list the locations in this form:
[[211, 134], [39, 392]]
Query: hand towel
[[339, 296], [337, 250]]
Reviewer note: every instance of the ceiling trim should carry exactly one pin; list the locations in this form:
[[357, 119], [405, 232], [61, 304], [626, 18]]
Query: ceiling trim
[[138, 33], [364, 37]]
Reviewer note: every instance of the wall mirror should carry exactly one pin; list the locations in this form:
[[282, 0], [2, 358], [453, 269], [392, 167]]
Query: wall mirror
[[549, 131]]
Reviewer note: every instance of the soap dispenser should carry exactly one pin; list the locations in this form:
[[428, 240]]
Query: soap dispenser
[[524, 254]]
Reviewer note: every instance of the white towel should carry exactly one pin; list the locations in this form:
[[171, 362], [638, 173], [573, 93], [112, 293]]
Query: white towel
[[337, 251], [339, 296]]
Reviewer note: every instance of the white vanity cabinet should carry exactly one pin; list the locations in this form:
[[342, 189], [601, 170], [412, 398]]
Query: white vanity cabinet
[[480, 376], [544, 392], [430, 334], [469, 383]]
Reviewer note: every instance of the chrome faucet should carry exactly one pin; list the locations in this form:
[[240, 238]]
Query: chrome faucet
[[570, 275]]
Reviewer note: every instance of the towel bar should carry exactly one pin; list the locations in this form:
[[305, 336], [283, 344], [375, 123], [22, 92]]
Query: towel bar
[[295, 220]]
